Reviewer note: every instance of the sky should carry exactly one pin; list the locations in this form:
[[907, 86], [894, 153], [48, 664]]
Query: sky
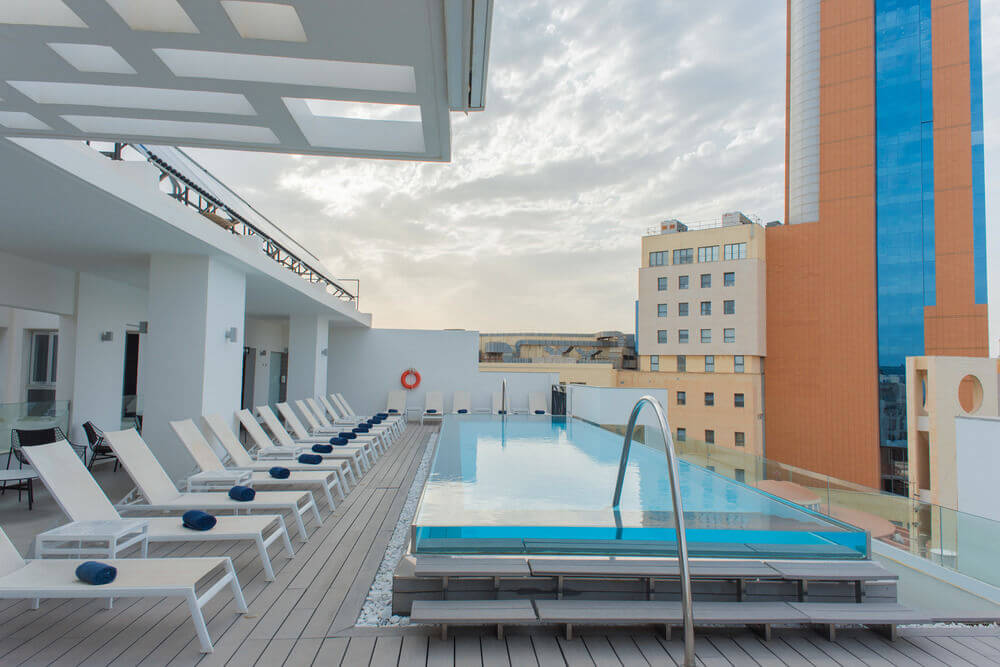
[[601, 120]]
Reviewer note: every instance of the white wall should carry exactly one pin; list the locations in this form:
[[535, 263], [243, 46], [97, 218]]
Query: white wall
[[308, 336], [268, 336], [25, 283], [365, 364], [977, 460], [611, 405]]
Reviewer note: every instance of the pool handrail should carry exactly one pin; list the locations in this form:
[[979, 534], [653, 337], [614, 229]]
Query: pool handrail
[[675, 497]]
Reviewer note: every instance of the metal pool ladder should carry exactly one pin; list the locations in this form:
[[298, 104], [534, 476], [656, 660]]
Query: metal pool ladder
[[675, 496]]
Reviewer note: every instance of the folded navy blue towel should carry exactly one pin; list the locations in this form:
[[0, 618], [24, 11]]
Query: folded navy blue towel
[[310, 459], [370, 422], [463, 411], [242, 493], [322, 449], [539, 412], [96, 574], [501, 412], [198, 520], [339, 442], [347, 434], [363, 428], [381, 415], [430, 411], [278, 472], [393, 412]]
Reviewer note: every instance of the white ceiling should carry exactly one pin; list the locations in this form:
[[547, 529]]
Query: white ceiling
[[364, 78]]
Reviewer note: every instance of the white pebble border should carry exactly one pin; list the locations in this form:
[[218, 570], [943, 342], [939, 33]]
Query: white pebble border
[[377, 610]]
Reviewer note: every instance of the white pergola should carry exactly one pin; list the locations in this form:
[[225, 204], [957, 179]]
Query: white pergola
[[360, 78]]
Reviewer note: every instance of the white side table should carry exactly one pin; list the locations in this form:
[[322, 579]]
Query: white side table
[[280, 453], [93, 539], [21, 475], [219, 480]]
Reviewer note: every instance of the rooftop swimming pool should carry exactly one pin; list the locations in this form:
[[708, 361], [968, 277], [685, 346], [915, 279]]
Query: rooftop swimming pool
[[532, 484]]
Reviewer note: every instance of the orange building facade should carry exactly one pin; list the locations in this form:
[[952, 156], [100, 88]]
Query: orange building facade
[[883, 256]]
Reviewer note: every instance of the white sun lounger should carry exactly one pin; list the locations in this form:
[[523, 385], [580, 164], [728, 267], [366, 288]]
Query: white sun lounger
[[396, 420], [302, 434], [460, 404], [285, 449], [433, 407], [160, 493], [206, 459], [537, 404], [396, 403], [388, 426], [137, 577], [241, 458], [310, 408], [81, 499], [498, 409], [299, 436]]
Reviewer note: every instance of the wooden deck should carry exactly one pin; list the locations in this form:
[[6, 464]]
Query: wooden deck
[[307, 615]]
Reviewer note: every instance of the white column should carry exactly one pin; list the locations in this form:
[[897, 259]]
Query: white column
[[190, 369], [308, 338]]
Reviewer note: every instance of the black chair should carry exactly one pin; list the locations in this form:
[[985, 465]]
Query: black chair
[[20, 438], [99, 449]]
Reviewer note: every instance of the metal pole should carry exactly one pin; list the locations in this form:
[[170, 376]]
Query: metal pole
[[675, 497]]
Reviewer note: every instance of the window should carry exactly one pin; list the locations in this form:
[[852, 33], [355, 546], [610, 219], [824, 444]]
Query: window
[[706, 307], [661, 336], [738, 363], [729, 335], [728, 279], [658, 258], [706, 280], [741, 475], [661, 284], [682, 434], [44, 348], [682, 398], [710, 468], [684, 256], [729, 307], [709, 363], [706, 335], [682, 335], [738, 400], [682, 363], [708, 253], [682, 309], [682, 282], [735, 251], [654, 362], [709, 398], [709, 436], [661, 310], [741, 439]]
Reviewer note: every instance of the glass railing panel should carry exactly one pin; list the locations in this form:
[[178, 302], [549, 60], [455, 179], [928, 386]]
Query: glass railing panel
[[30, 415]]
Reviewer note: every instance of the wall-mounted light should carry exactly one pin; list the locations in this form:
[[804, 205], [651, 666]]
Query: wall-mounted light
[[263, 353], [142, 327], [107, 336], [231, 334], [323, 351]]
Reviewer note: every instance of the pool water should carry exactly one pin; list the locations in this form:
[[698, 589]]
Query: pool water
[[532, 484]]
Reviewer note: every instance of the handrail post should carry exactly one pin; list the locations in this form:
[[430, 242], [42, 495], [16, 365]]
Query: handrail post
[[678, 507]]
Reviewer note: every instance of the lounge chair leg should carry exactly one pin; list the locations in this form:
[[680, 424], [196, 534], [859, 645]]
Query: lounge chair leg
[[827, 630], [35, 602], [109, 603], [329, 497], [763, 631], [264, 559], [301, 524], [500, 631], [315, 509], [199, 623], [284, 536], [234, 585], [569, 632], [888, 631], [444, 632], [668, 631]]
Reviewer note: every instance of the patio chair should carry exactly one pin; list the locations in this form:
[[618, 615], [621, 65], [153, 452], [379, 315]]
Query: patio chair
[[537, 404], [302, 435], [99, 450], [433, 407], [138, 577], [339, 405], [208, 461], [319, 414], [284, 444], [161, 495], [397, 417], [81, 499], [396, 403], [460, 403], [20, 439]]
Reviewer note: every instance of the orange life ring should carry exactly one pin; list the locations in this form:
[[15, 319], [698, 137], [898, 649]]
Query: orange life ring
[[410, 378]]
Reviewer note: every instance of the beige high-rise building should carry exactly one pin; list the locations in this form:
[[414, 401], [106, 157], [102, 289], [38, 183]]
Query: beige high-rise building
[[701, 329]]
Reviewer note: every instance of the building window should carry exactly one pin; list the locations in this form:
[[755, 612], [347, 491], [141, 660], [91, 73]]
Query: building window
[[738, 363], [658, 258], [682, 363], [741, 475], [682, 309], [729, 335], [661, 336], [44, 354], [654, 362], [706, 280], [709, 398], [682, 335], [706, 307], [710, 468], [682, 398], [682, 434], [729, 307], [736, 251], [661, 310], [709, 363], [708, 253], [738, 400], [728, 279], [661, 284], [706, 335], [741, 439], [682, 282], [684, 256], [709, 436]]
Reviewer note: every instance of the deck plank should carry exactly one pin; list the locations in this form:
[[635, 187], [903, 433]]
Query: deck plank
[[387, 651], [547, 651], [494, 652], [359, 651], [626, 650], [600, 651], [413, 652], [468, 652], [520, 651], [750, 644], [440, 652], [575, 652], [304, 652]]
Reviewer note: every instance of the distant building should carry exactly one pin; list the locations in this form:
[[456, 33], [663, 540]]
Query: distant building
[[607, 347]]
